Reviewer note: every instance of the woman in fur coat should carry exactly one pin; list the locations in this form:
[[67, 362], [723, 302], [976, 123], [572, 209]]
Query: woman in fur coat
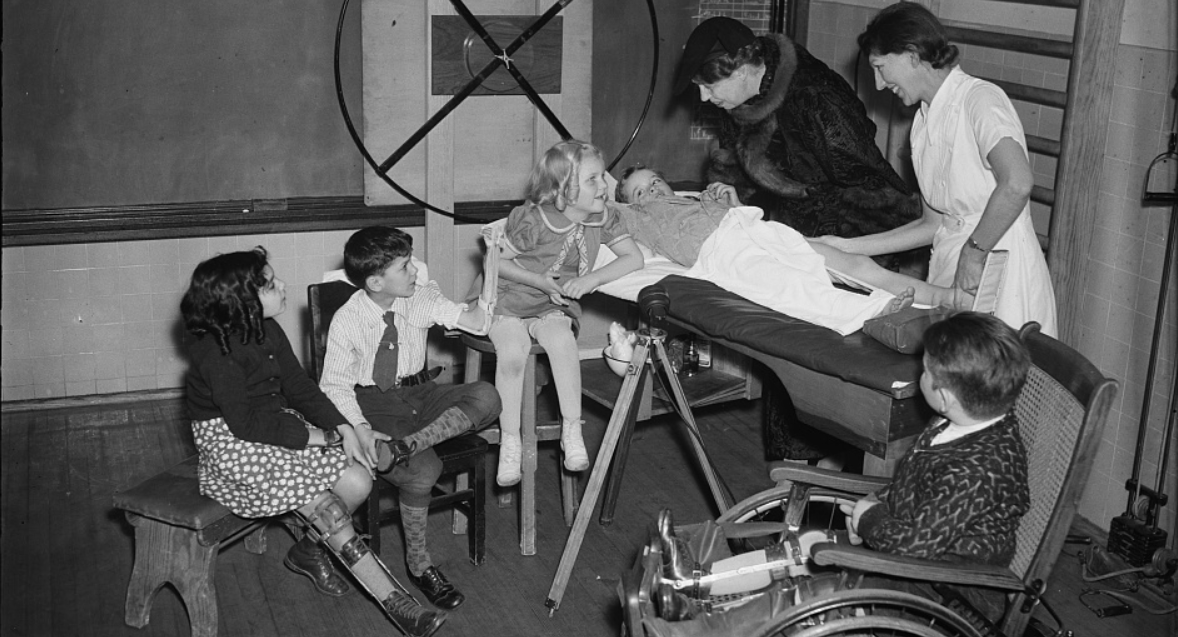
[[797, 141]]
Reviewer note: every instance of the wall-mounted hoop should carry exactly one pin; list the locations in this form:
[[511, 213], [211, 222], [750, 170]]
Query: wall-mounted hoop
[[500, 57]]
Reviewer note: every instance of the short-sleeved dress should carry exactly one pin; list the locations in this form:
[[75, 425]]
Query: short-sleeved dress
[[250, 411], [546, 240], [951, 138]]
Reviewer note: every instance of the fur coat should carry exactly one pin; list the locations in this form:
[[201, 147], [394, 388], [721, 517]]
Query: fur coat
[[804, 151]]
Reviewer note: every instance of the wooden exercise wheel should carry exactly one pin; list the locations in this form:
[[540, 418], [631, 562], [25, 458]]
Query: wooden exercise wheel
[[466, 64]]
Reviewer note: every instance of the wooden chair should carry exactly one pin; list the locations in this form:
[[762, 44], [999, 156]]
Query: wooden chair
[[531, 430], [1062, 411], [464, 456]]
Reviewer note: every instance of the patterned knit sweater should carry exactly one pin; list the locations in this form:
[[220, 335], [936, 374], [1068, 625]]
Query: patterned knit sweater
[[957, 501]]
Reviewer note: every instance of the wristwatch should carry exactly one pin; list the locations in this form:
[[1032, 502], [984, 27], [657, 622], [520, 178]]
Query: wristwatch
[[973, 243]]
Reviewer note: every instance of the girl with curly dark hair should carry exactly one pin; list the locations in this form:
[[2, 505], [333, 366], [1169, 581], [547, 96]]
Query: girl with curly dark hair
[[269, 440]]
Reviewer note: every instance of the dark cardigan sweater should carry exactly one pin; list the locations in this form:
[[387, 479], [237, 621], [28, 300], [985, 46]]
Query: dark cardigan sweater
[[252, 385]]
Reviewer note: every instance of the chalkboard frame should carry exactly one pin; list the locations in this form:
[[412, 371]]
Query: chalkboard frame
[[53, 226]]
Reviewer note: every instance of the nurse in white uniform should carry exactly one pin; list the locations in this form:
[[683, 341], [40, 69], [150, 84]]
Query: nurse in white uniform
[[970, 158]]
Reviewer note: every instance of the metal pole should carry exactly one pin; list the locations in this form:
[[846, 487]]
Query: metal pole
[[1151, 370]]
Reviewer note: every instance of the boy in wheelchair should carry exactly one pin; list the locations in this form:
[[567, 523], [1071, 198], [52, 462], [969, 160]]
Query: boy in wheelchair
[[957, 495]]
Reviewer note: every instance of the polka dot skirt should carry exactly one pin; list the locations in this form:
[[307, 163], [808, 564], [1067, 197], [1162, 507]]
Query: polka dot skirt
[[258, 480]]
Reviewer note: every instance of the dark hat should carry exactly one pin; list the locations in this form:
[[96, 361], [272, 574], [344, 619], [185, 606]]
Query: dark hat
[[710, 39]]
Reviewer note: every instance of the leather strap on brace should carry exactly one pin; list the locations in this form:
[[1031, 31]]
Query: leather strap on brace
[[329, 516]]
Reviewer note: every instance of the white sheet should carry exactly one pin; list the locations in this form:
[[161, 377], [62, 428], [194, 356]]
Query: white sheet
[[655, 267], [773, 265]]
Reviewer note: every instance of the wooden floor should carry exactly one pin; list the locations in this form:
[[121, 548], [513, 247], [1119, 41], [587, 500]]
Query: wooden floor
[[66, 554]]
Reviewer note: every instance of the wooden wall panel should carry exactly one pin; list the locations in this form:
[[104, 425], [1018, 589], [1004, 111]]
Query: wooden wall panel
[[495, 136], [493, 147], [457, 50], [394, 72]]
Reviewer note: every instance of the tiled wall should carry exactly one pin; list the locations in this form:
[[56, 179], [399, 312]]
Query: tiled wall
[[754, 13], [1121, 301], [1128, 248], [104, 317]]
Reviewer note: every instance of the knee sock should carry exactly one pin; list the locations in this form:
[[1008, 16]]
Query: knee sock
[[452, 422], [413, 522]]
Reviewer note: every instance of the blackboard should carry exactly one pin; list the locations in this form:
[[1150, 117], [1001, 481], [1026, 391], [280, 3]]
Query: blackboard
[[122, 102]]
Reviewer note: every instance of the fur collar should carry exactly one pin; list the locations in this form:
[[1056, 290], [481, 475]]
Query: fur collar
[[781, 60], [757, 119]]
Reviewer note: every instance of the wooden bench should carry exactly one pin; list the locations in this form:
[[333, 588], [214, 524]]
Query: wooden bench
[[178, 533]]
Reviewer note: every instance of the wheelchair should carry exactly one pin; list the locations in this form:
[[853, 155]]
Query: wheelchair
[[776, 564], [695, 579]]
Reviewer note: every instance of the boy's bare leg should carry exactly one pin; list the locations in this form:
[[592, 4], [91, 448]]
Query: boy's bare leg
[[870, 272]]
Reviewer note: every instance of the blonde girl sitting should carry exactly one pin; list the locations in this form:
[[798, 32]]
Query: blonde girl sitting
[[549, 246]]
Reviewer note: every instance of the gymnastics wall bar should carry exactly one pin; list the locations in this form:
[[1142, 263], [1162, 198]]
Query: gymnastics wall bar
[[1086, 106]]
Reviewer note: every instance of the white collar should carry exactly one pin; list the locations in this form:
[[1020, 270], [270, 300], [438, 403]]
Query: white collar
[[547, 209]]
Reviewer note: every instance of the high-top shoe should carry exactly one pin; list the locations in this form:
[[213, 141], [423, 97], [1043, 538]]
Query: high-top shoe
[[576, 458], [510, 457], [437, 589], [306, 557], [411, 617]]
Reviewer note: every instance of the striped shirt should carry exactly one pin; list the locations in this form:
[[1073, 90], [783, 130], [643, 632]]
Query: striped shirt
[[355, 333]]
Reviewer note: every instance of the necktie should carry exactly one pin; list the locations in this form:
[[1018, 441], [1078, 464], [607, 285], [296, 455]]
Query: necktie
[[384, 366]]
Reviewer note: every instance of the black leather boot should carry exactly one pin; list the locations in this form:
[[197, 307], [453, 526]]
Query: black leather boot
[[412, 618], [437, 589], [306, 557]]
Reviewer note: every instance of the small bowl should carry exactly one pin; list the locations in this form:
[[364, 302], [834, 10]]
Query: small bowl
[[617, 365]]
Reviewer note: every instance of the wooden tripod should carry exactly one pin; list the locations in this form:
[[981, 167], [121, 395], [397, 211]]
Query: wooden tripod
[[621, 421]]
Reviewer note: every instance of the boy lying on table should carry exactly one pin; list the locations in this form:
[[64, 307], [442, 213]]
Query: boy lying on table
[[769, 263]]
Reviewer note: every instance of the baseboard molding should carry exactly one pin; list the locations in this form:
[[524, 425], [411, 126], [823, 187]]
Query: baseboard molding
[[449, 376], [217, 218], [1083, 526], [93, 400]]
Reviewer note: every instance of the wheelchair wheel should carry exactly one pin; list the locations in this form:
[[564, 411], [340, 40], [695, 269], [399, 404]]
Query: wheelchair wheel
[[874, 612], [772, 506]]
